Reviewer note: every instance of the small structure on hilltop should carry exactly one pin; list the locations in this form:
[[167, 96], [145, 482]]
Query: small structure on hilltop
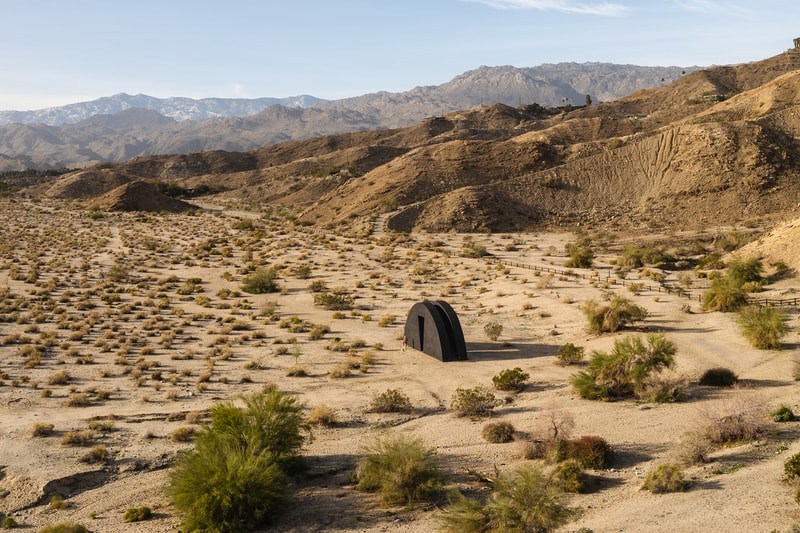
[[433, 328], [797, 43]]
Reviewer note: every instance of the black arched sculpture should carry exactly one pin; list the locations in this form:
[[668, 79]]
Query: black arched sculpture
[[433, 328]]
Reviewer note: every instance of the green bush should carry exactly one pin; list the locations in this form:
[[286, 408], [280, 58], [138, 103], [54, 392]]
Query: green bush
[[569, 354], [783, 413], [666, 478], [510, 379], [524, 500], [612, 316], [262, 281], [234, 479], [763, 326], [723, 296], [137, 514], [791, 467], [498, 432], [719, 377], [390, 401], [625, 371], [741, 271], [65, 527], [337, 300], [478, 401], [493, 330], [570, 474], [580, 257], [402, 469]]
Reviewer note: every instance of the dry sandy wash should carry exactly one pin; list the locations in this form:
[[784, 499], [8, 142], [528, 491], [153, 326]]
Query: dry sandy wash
[[120, 329]]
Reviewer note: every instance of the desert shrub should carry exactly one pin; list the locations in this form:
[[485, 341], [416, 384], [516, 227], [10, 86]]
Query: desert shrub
[[302, 271], [718, 377], [97, 455], [58, 503], [82, 437], [498, 432], [477, 401], [570, 474], [665, 478], [65, 527], [317, 285], [474, 250], [401, 468], [580, 257], [182, 434], [635, 257], [390, 401], [8, 522], [323, 415], [523, 500], [661, 388], [723, 296], [386, 320], [78, 399], [510, 379], [791, 467], [589, 451], [783, 413], [234, 479], [493, 330], [569, 354], [613, 315], [740, 420], [740, 271], [137, 514], [337, 300], [624, 371], [60, 377], [262, 281], [297, 371], [40, 429], [763, 326]]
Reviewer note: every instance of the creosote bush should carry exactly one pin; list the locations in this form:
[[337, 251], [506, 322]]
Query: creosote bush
[[664, 479], [569, 354], [498, 432], [235, 479], [390, 401], [783, 413], [477, 401], [719, 377], [262, 281], [337, 300], [402, 469], [524, 500], [493, 330], [510, 379]]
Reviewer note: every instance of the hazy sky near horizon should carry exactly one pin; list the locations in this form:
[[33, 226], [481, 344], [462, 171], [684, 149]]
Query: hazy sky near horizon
[[55, 52]]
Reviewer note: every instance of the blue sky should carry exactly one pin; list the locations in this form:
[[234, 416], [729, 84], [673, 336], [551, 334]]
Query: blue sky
[[55, 52]]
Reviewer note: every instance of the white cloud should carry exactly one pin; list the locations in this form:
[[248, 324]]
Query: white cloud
[[712, 6], [567, 6]]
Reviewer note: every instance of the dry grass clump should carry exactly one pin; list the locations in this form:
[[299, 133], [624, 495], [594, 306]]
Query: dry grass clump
[[40, 429], [664, 479], [81, 437], [182, 434], [390, 401], [323, 415]]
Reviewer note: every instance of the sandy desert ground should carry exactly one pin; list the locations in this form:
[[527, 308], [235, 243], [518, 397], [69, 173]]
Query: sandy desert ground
[[101, 313]]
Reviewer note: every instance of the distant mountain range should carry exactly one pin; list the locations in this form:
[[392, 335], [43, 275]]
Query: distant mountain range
[[119, 127]]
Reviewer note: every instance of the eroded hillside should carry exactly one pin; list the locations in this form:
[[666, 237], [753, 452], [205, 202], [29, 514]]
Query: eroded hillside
[[717, 146]]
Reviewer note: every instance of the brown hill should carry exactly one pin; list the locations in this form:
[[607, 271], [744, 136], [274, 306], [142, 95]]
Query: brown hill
[[139, 196], [714, 147]]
